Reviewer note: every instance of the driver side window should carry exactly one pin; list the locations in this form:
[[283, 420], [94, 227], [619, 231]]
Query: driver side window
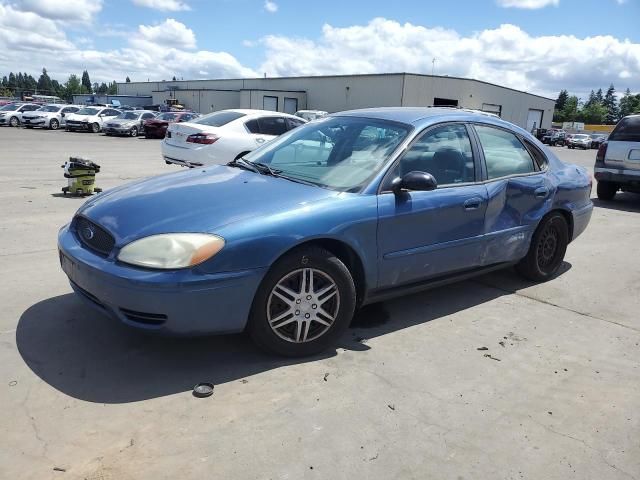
[[444, 152]]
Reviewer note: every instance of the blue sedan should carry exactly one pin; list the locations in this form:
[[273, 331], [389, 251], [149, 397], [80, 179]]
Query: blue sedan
[[358, 207]]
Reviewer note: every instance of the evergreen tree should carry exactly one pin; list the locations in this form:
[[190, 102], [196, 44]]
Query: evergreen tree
[[599, 96], [44, 83], [113, 88], [591, 100], [611, 104], [570, 111], [13, 82], [562, 99], [629, 104], [101, 89], [128, 80], [86, 82]]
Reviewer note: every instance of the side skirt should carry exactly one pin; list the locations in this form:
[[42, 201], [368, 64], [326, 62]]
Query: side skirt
[[382, 294]]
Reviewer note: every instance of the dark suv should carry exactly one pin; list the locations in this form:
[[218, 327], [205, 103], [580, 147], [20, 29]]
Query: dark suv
[[554, 137], [618, 160]]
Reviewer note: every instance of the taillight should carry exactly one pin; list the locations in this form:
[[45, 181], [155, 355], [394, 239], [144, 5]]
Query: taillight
[[203, 138], [602, 152]]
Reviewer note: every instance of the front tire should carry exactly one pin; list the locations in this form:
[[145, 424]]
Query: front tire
[[54, 124], [547, 249], [606, 190], [303, 305], [95, 128], [133, 132], [14, 122]]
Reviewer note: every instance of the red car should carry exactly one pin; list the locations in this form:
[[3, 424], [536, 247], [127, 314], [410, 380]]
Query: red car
[[157, 127]]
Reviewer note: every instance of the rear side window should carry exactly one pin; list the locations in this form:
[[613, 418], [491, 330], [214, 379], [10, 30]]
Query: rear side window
[[504, 153], [538, 156], [272, 125], [252, 126], [627, 130], [218, 119], [294, 122]]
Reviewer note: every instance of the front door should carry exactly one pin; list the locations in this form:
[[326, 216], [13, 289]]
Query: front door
[[428, 234]]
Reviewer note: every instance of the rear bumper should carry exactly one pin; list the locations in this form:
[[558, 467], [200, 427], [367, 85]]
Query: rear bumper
[[193, 157], [182, 302], [617, 175], [581, 218]]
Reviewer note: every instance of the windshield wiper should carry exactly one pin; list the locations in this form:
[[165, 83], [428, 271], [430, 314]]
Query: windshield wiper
[[245, 164]]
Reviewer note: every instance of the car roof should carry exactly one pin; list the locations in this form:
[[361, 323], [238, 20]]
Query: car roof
[[254, 112], [422, 116]]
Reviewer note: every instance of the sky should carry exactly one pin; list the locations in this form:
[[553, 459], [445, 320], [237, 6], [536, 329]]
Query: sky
[[540, 46]]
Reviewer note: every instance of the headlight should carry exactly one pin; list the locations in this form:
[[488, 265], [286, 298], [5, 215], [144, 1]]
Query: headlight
[[171, 250]]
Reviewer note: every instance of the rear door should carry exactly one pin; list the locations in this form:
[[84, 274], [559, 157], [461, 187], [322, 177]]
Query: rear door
[[518, 192], [623, 146]]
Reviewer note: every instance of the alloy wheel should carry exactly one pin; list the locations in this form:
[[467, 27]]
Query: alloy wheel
[[303, 305], [548, 248]]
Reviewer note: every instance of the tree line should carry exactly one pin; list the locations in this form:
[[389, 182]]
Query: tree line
[[599, 108], [17, 85]]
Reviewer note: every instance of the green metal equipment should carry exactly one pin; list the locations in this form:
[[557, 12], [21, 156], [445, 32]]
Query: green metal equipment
[[81, 173]]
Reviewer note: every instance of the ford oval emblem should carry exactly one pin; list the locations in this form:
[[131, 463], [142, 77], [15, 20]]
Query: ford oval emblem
[[88, 233]]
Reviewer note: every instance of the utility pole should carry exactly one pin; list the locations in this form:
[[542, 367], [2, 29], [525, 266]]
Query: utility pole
[[433, 65]]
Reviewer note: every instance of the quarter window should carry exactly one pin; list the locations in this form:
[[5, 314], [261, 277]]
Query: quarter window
[[504, 153], [444, 152]]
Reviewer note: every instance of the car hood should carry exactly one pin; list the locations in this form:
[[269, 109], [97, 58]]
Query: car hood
[[198, 200]]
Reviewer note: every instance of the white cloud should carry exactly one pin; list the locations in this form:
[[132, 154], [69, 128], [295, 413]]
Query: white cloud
[[163, 5], [528, 4], [169, 33], [506, 55], [270, 6], [72, 11]]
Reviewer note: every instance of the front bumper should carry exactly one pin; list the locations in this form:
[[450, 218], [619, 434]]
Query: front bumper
[[77, 126], [155, 132], [33, 122], [117, 130], [177, 302]]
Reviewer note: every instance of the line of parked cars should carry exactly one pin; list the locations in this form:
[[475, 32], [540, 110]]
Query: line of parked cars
[[554, 137]]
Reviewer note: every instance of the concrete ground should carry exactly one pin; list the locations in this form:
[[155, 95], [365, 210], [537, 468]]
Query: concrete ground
[[406, 395]]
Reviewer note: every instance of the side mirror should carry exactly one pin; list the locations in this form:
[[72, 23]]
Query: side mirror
[[62, 114], [417, 181], [101, 115]]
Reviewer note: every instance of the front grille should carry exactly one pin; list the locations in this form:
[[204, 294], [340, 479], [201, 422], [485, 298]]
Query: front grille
[[93, 236], [151, 319]]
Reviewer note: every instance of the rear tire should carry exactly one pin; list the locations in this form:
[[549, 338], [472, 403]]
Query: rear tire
[[304, 303], [547, 249], [606, 190], [54, 124]]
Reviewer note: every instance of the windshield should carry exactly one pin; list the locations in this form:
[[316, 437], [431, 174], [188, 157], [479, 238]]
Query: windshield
[[10, 106], [580, 137], [49, 108], [128, 116], [218, 119], [167, 117], [88, 111], [340, 153]]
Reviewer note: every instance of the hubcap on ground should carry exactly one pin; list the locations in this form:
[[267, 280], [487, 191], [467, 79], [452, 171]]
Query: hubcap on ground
[[547, 247], [303, 305]]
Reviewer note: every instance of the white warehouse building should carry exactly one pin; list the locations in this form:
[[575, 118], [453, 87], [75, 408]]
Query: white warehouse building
[[346, 92]]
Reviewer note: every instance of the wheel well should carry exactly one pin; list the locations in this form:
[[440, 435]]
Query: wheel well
[[349, 257]]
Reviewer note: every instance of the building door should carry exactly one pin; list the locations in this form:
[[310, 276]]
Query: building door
[[290, 105], [534, 119], [270, 103]]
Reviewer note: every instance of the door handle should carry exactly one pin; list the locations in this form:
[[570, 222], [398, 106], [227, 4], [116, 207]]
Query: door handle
[[542, 192], [472, 203]]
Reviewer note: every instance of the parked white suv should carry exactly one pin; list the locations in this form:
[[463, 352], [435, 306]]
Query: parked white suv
[[11, 113], [618, 160], [51, 116], [90, 119], [223, 136]]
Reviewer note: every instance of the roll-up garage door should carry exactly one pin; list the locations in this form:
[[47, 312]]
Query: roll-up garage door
[[534, 119]]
